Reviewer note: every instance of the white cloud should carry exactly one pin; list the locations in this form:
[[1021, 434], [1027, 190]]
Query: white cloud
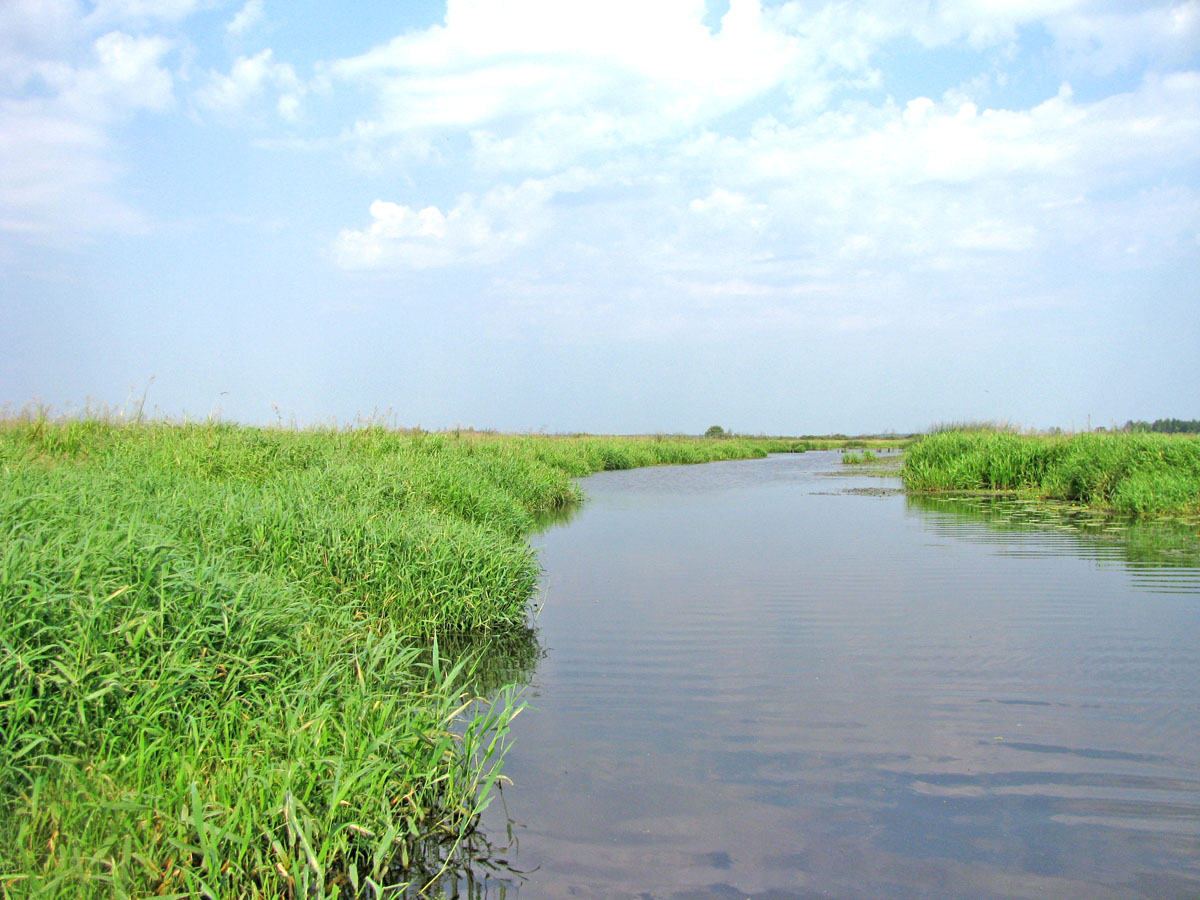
[[477, 229], [1098, 35], [1107, 40], [541, 84], [721, 202], [533, 72], [1056, 146], [59, 165], [128, 75], [33, 32], [812, 224], [248, 17], [401, 234], [247, 85], [729, 210], [745, 155], [69, 76], [936, 202]]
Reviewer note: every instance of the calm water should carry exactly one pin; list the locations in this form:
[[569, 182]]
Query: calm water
[[758, 683]]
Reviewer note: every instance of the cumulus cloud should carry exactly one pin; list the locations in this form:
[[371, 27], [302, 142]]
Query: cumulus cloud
[[248, 17], [416, 238], [540, 84], [251, 80], [886, 165], [803, 223], [477, 229], [910, 203], [756, 176], [649, 151], [128, 75], [1058, 148], [538, 71], [727, 204]]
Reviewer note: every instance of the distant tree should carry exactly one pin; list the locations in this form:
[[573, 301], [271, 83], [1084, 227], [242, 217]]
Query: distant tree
[[1166, 426], [715, 431], [1177, 426]]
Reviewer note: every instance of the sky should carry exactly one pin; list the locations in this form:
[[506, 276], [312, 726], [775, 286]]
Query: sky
[[620, 217]]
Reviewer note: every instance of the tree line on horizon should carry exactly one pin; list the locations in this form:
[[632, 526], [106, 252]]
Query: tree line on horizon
[[1165, 426]]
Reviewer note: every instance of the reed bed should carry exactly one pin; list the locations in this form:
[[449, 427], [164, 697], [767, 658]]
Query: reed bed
[[854, 458], [1134, 473], [220, 672]]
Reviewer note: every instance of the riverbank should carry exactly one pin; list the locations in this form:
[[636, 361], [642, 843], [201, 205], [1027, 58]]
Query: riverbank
[[1131, 473], [219, 669]]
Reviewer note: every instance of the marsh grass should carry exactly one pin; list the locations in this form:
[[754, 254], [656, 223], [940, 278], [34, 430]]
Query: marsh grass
[[866, 457], [223, 650], [1139, 474]]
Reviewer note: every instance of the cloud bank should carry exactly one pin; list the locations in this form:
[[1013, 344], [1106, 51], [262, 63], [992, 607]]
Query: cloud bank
[[645, 153], [768, 152]]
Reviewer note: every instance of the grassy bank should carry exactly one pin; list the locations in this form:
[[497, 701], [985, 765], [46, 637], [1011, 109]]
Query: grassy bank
[[216, 665], [1138, 474], [876, 444]]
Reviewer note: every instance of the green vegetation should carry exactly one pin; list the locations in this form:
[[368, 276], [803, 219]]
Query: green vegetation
[[857, 459], [841, 442], [972, 425], [223, 650], [1166, 426], [1130, 473]]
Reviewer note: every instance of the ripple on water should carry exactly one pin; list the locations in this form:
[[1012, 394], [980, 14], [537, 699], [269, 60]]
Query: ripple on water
[[757, 687]]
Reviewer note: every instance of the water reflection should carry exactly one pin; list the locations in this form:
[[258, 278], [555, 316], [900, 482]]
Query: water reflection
[[498, 664], [1142, 544], [756, 687], [560, 515], [474, 869], [494, 659]]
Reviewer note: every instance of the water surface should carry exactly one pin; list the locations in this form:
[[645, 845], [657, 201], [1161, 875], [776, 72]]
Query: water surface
[[757, 682]]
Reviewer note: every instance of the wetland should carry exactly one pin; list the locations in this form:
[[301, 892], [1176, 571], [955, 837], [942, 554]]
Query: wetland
[[243, 662]]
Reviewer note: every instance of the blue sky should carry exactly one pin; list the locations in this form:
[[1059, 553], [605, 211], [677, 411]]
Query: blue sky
[[624, 216]]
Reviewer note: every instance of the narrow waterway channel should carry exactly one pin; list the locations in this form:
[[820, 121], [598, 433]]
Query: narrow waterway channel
[[772, 679]]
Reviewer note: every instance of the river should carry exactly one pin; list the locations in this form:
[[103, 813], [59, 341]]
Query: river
[[778, 679]]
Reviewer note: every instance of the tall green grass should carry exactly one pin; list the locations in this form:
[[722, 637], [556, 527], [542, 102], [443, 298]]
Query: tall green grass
[[221, 663], [851, 458], [1130, 473]]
